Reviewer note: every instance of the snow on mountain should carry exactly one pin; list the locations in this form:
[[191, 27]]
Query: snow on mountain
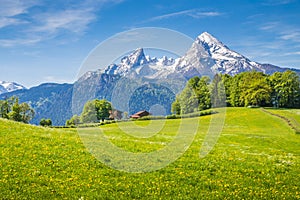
[[128, 63], [207, 56], [9, 87], [225, 60], [137, 64]]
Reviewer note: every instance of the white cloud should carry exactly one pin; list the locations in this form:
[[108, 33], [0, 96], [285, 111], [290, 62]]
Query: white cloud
[[277, 2], [48, 21], [54, 79], [273, 50], [6, 21], [194, 13], [15, 42], [292, 35], [9, 10], [283, 31], [292, 53], [72, 20], [269, 26]]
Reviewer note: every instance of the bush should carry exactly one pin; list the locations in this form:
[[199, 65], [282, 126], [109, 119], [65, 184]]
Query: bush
[[150, 117], [46, 122], [172, 117]]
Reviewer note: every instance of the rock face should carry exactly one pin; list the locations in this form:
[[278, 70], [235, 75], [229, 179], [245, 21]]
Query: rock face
[[159, 76]]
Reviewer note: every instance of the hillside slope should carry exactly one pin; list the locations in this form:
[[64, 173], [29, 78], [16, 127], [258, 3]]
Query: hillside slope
[[49, 100], [256, 157]]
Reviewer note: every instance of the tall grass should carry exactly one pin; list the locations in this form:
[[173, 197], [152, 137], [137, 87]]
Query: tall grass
[[256, 157]]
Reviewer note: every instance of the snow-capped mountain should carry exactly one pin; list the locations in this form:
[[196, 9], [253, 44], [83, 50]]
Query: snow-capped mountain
[[220, 59], [138, 65], [9, 87], [207, 56]]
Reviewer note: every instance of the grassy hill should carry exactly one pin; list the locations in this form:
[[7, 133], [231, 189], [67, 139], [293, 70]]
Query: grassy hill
[[256, 157]]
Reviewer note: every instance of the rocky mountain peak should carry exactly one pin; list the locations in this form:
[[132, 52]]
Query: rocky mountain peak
[[136, 58], [206, 38]]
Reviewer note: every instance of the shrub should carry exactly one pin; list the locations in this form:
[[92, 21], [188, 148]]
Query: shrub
[[46, 122], [172, 117]]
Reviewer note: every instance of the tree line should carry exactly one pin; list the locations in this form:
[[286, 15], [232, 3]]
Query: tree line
[[10, 108], [281, 89]]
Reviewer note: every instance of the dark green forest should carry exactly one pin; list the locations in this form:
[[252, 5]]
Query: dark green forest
[[280, 90]]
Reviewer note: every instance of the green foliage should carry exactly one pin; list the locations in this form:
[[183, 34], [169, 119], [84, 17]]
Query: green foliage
[[250, 88], [253, 89], [286, 89], [172, 117], [26, 112], [95, 110], [176, 108], [194, 97], [46, 122], [227, 81], [198, 114], [217, 92], [89, 113], [74, 121], [15, 113], [5, 108], [145, 96], [102, 107], [281, 89], [11, 109], [149, 117]]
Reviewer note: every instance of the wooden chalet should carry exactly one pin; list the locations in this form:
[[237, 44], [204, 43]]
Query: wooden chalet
[[140, 114]]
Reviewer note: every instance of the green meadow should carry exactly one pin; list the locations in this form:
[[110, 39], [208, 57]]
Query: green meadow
[[257, 156]]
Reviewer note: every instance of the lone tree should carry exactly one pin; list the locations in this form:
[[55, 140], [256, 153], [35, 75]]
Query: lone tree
[[89, 113], [95, 110], [103, 107]]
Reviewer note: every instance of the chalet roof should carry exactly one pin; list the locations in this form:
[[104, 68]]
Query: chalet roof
[[135, 116], [140, 112]]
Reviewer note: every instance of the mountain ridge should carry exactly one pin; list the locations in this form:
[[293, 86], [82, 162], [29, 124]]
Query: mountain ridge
[[206, 56]]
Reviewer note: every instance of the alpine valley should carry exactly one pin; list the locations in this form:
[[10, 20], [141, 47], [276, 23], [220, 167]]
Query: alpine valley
[[139, 74]]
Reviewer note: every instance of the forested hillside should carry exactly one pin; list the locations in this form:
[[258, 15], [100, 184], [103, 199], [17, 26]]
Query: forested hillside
[[281, 90]]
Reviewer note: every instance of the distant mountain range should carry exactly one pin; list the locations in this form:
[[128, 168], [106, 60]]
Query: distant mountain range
[[207, 56], [9, 87]]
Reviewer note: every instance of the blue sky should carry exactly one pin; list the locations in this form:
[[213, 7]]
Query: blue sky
[[46, 41]]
